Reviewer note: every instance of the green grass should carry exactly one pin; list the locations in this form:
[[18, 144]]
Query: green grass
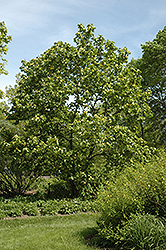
[[54, 232]]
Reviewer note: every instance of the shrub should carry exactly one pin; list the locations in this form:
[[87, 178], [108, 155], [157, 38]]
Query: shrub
[[136, 190], [58, 189], [53, 187]]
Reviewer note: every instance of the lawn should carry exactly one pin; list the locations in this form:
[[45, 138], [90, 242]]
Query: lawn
[[67, 232]]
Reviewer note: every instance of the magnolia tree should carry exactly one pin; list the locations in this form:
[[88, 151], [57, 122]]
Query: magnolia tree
[[89, 102]]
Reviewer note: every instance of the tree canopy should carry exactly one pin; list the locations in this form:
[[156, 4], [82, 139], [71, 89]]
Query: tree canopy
[[88, 101]]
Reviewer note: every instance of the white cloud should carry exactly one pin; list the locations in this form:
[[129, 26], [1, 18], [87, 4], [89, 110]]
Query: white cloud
[[21, 15]]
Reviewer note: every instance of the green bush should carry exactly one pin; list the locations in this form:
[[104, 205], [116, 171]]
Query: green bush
[[52, 187], [58, 189], [136, 190], [143, 232]]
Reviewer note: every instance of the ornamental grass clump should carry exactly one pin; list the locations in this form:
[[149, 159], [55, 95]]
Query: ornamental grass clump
[[143, 232]]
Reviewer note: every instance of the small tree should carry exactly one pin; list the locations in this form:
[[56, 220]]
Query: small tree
[[87, 99]]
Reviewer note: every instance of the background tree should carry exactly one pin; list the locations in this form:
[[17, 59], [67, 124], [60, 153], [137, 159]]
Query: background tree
[[89, 101], [153, 67], [4, 40]]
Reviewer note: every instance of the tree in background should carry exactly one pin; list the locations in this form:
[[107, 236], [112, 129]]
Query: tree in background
[[153, 67], [88, 102], [4, 40]]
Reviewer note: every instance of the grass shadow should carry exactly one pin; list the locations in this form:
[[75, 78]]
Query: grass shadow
[[93, 240], [89, 235]]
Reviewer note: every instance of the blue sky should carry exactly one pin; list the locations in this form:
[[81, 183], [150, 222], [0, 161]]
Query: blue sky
[[36, 24]]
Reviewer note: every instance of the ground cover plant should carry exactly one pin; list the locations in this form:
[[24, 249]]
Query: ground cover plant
[[22, 206], [55, 232]]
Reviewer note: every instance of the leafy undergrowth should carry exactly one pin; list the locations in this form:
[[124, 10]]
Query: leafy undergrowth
[[22, 206]]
